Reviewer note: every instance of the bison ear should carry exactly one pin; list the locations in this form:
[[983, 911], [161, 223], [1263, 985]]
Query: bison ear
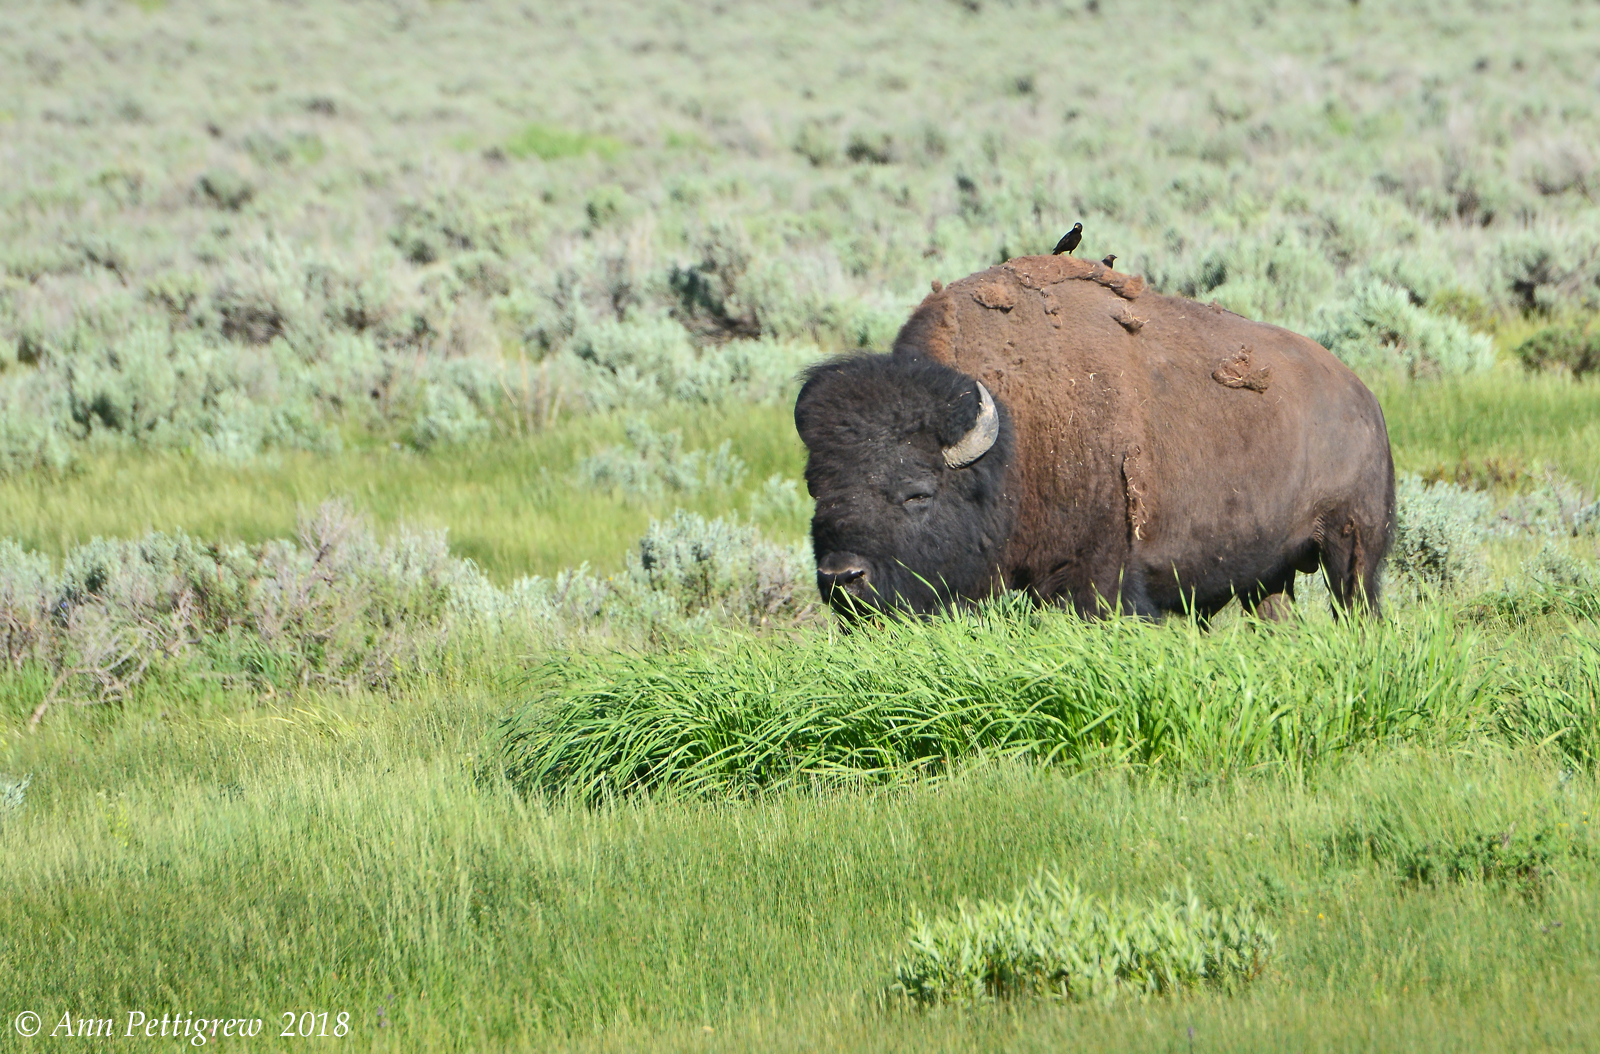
[[829, 388], [805, 412], [806, 408]]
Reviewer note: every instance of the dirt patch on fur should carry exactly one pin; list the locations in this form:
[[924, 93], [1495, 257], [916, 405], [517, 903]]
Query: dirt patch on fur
[[1127, 319], [1037, 272], [1235, 372], [995, 295]]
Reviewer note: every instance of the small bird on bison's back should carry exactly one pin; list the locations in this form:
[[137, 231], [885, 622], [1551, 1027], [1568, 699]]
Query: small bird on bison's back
[[1110, 259], [1069, 241]]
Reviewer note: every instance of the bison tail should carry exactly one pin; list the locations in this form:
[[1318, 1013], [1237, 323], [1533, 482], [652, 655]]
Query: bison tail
[[1352, 565]]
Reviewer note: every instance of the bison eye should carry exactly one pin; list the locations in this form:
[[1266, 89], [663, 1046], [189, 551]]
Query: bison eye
[[916, 496]]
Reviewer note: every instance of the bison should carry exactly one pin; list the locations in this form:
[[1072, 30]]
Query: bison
[[1050, 426]]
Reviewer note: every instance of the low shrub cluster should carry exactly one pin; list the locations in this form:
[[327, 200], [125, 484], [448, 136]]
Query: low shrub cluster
[[1054, 940], [1378, 327], [637, 364], [1441, 528], [723, 570], [652, 464], [1439, 533], [333, 607], [292, 349], [778, 498], [1567, 348], [1554, 507], [339, 607], [394, 257]]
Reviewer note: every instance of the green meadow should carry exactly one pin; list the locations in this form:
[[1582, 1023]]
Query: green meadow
[[508, 504], [406, 607]]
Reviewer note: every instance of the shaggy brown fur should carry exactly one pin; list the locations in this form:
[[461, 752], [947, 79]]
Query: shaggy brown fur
[[1170, 458]]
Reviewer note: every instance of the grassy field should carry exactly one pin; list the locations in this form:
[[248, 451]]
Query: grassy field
[[347, 855], [541, 278], [1521, 423], [510, 504]]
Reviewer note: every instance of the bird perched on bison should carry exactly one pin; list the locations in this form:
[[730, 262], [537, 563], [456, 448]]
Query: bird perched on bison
[[1069, 241], [1110, 259], [1023, 434]]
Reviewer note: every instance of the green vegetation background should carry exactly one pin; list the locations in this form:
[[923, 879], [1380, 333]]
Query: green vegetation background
[[516, 272]]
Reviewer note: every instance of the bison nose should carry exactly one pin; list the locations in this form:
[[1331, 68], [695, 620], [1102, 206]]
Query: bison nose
[[842, 570]]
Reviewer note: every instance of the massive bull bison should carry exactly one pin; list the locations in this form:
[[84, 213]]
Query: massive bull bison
[[1048, 425]]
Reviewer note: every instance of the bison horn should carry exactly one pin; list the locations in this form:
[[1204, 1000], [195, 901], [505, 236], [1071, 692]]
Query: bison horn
[[979, 438]]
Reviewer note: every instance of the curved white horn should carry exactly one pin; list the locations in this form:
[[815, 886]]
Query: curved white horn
[[979, 438]]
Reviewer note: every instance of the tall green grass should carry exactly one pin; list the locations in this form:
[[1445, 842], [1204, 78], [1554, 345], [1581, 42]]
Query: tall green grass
[[916, 698], [1552, 694]]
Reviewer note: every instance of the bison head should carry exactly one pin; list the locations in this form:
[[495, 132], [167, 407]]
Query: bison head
[[907, 464]]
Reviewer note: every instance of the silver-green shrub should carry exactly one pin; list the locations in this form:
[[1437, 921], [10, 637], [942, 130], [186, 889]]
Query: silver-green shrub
[[1280, 276], [26, 587], [1378, 327], [1555, 567], [653, 463], [34, 408], [1545, 267], [448, 416], [384, 228], [642, 363], [1054, 940], [1439, 533], [724, 568], [337, 606], [1556, 507], [779, 499], [1423, 277], [633, 363]]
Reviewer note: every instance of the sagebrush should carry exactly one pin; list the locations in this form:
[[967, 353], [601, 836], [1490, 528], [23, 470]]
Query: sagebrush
[[1056, 941]]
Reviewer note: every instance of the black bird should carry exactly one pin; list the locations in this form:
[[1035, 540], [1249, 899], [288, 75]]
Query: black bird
[[1069, 241], [1109, 260]]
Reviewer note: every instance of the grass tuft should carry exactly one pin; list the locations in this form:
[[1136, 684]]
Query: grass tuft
[[884, 704]]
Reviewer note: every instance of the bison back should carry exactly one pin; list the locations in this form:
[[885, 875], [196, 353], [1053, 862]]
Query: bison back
[[1158, 435]]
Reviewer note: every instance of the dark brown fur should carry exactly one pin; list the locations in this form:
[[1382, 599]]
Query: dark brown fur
[[1169, 454]]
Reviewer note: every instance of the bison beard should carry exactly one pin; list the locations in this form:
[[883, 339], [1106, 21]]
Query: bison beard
[[1160, 461], [897, 524]]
